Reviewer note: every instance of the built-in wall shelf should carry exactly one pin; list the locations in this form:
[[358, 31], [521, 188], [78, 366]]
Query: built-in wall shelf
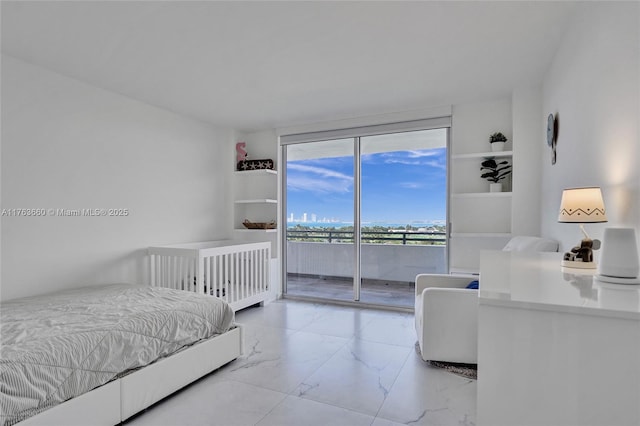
[[483, 195], [257, 231], [463, 271], [482, 155], [256, 172], [478, 219], [255, 195], [257, 201]]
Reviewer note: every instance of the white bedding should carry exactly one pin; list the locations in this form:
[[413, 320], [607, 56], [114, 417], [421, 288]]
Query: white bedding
[[56, 347]]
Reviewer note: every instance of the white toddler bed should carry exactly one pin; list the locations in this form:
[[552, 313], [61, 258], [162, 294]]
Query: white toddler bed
[[98, 355]]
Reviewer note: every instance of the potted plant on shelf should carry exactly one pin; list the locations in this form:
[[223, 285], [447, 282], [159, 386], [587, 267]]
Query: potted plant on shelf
[[497, 141], [496, 172]]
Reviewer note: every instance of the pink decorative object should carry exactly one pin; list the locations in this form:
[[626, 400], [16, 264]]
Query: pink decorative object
[[241, 152]]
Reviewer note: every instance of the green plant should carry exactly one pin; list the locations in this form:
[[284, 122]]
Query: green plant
[[497, 137], [496, 170]]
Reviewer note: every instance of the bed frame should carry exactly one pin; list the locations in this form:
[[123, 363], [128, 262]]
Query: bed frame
[[235, 271], [120, 399]]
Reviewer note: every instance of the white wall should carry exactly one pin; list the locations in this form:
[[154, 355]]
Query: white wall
[[525, 203], [474, 122], [69, 145], [593, 85]]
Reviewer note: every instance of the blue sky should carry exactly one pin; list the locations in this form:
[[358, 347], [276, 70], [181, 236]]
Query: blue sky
[[397, 187]]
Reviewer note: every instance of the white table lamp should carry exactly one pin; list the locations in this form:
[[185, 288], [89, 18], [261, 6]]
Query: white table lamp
[[582, 205]]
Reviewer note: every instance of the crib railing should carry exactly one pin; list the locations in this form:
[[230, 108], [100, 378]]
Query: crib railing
[[237, 272]]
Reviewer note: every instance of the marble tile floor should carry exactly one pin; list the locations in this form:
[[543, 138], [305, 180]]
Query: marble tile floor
[[311, 364], [376, 292]]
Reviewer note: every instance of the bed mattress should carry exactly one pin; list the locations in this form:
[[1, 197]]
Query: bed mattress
[[58, 346]]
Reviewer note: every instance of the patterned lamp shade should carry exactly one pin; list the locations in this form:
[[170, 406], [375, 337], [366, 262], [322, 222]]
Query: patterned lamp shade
[[582, 205]]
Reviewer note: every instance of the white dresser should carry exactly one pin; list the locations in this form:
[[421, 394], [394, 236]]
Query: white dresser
[[555, 347]]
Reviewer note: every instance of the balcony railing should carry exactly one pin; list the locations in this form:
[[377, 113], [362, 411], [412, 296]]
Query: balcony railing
[[368, 237], [391, 262]]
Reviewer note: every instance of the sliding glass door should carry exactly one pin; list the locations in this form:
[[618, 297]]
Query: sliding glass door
[[403, 213], [320, 254], [365, 215]]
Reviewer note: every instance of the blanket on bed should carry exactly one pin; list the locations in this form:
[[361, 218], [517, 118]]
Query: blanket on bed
[[56, 347]]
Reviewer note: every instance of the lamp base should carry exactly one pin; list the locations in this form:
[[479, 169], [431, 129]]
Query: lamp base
[[579, 264], [617, 280]]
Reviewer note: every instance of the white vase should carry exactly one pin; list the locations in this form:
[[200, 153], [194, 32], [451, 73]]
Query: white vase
[[497, 146], [495, 187]]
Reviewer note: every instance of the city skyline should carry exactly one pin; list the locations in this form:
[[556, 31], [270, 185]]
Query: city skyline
[[313, 218]]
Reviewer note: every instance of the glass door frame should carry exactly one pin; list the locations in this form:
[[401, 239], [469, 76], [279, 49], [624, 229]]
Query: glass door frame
[[356, 218], [313, 137]]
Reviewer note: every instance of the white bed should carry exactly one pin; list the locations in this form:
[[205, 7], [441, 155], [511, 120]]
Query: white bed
[[141, 344]]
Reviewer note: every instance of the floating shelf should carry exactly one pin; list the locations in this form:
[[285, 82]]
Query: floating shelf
[[483, 195], [258, 201], [255, 172], [463, 271], [482, 155], [262, 231], [481, 235]]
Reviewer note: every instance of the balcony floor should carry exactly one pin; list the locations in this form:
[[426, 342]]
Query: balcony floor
[[377, 292]]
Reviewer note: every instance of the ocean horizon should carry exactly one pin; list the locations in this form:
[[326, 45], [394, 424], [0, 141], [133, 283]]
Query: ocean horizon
[[367, 224]]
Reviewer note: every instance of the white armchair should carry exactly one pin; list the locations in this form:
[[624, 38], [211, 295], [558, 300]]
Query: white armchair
[[446, 312], [446, 316]]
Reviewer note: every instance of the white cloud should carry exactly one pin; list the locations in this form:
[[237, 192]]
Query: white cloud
[[431, 163], [317, 179], [403, 161], [305, 183], [322, 171], [421, 154], [412, 185], [436, 164], [428, 158]]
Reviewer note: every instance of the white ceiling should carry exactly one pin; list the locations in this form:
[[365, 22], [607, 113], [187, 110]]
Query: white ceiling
[[259, 65]]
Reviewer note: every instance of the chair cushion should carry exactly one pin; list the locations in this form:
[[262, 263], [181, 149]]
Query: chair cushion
[[531, 244]]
